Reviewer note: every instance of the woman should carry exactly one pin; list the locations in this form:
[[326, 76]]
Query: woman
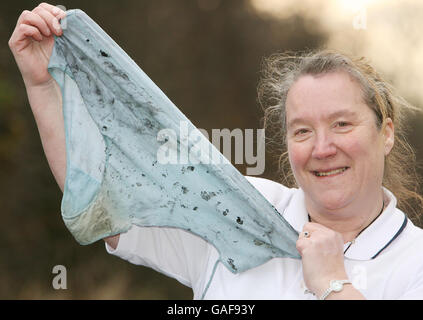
[[339, 122]]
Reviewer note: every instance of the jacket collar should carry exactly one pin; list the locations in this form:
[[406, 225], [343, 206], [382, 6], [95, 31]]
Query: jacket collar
[[371, 242]]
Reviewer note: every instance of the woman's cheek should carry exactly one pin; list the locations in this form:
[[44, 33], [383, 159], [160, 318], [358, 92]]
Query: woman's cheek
[[298, 155], [356, 147]]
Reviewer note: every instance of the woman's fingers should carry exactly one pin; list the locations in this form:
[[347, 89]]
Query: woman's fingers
[[50, 19], [322, 255], [29, 31], [32, 19], [56, 11], [45, 17], [38, 25], [319, 237], [301, 244], [42, 21]]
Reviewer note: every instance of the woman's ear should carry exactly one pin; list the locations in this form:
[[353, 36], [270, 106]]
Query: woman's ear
[[389, 134]]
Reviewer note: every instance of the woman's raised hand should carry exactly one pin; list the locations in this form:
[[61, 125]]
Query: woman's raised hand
[[32, 42]]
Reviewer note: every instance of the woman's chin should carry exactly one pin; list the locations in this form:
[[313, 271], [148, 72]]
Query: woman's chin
[[331, 201]]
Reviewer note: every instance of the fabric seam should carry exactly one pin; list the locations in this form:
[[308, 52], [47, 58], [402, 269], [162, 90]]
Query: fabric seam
[[210, 279]]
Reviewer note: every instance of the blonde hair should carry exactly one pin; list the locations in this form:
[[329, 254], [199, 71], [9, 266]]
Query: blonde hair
[[280, 71]]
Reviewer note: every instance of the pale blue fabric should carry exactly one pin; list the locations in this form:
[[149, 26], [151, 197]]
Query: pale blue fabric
[[113, 113]]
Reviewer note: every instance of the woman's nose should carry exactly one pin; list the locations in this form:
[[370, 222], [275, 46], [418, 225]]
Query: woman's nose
[[324, 147]]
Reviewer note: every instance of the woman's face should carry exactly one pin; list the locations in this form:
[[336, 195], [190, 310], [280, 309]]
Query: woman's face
[[335, 149]]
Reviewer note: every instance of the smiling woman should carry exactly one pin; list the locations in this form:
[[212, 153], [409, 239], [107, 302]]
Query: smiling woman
[[339, 125], [335, 148], [280, 73]]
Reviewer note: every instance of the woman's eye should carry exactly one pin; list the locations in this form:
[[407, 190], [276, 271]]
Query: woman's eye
[[342, 124], [301, 132]]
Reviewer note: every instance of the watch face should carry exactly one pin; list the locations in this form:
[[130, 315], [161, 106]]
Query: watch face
[[336, 286]]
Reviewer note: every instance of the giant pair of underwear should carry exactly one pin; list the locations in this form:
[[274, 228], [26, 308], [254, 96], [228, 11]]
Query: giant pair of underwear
[[114, 119]]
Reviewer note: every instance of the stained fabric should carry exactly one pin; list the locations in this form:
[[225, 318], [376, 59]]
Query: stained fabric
[[122, 137]]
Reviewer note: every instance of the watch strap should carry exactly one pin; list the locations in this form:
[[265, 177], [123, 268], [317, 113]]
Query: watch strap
[[332, 287]]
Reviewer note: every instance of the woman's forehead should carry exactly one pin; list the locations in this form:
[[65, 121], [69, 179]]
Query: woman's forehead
[[331, 94]]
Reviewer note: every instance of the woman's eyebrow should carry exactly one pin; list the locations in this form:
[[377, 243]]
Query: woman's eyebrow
[[341, 113], [330, 116], [294, 122]]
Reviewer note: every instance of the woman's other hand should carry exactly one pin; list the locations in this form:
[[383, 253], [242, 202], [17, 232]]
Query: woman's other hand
[[322, 254]]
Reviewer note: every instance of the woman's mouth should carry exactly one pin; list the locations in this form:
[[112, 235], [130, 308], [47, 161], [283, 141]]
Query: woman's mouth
[[330, 172]]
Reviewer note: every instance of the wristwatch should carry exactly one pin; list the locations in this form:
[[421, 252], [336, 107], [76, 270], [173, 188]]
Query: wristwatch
[[334, 286]]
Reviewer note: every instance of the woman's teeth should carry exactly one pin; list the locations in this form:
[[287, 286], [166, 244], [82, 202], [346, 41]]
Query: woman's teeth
[[328, 173]]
